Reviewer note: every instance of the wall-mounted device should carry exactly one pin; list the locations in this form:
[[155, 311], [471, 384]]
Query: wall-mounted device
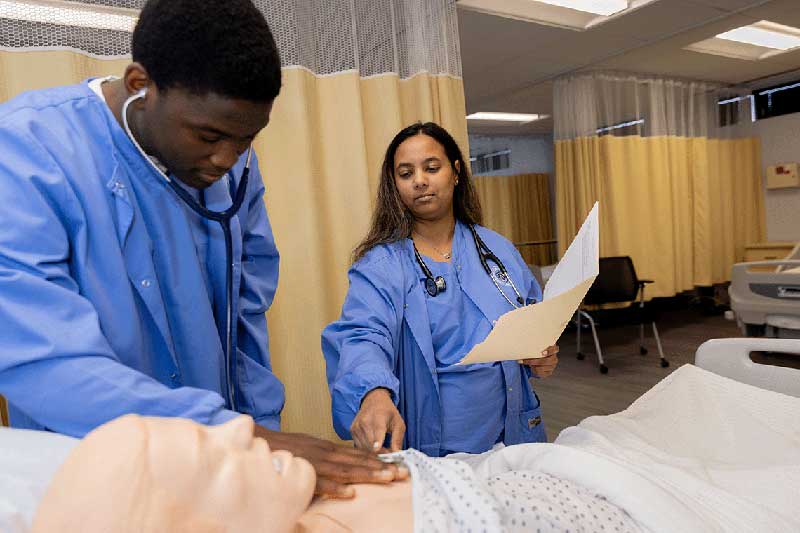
[[783, 175]]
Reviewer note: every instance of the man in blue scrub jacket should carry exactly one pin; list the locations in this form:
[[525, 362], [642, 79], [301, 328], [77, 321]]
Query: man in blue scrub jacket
[[113, 292]]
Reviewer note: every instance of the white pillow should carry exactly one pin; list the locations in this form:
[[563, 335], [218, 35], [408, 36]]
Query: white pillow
[[28, 460]]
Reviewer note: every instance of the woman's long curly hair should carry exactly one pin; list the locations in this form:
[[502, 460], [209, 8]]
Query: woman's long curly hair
[[391, 220]]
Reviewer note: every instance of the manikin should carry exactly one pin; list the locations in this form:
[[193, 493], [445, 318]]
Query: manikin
[[144, 474]]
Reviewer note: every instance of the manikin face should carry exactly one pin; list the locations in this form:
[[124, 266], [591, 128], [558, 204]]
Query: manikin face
[[230, 475], [158, 474], [425, 177]]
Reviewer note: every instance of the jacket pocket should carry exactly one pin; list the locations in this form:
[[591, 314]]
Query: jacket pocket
[[532, 426]]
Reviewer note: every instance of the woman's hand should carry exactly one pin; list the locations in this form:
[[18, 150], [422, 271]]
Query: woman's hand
[[377, 417], [545, 365]]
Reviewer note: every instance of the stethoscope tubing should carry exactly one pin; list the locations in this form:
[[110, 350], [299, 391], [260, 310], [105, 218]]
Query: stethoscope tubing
[[434, 286], [224, 220], [485, 254]]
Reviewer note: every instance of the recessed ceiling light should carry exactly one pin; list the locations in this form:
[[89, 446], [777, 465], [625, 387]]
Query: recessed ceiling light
[[766, 34], [505, 117], [578, 15], [598, 7]]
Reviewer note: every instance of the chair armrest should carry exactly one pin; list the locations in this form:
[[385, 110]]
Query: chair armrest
[[646, 281]]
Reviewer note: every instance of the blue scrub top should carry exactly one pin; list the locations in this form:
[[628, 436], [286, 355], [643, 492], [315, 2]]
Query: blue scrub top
[[475, 412], [112, 291]]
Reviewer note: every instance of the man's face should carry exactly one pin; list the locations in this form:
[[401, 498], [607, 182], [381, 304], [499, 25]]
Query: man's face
[[199, 137]]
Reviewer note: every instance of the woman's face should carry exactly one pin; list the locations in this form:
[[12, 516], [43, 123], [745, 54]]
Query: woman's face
[[425, 177]]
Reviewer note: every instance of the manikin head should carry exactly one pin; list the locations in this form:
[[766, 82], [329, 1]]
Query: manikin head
[[141, 474]]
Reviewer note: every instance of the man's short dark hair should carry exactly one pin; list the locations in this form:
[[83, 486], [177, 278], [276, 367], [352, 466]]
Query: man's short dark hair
[[208, 46]]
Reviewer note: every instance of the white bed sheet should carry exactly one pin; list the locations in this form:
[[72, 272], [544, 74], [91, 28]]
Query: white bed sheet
[[698, 452], [28, 459]]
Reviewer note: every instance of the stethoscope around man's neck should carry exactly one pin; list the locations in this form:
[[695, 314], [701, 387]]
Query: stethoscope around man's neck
[[435, 285], [224, 220]]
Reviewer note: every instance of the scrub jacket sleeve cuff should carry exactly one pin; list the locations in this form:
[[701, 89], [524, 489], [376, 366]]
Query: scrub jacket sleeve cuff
[[349, 393], [272, 422], [222, 416]]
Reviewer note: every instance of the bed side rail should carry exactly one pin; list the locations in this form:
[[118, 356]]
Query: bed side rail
[[731, 358]]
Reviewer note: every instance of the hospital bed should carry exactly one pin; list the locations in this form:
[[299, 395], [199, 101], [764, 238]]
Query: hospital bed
[[765, 297], [698, 452]]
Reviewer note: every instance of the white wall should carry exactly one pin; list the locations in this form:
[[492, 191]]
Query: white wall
[[530, 154], [780, 143]]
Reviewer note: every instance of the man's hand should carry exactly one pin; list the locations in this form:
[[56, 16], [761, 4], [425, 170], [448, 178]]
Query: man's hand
[[545, 365], [336, 465], [377, 417]]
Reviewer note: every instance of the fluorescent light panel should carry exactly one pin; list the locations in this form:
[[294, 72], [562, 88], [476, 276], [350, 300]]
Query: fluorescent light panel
[[505, 117], [63, 14], [597, 7], [620, 125], [766, 34]]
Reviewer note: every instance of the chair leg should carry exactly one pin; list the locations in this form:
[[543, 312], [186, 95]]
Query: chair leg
[[603, 367], [664, 362], [642, 349], [579, 353]]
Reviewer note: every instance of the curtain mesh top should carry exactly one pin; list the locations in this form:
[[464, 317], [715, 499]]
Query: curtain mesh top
[[370, 36]]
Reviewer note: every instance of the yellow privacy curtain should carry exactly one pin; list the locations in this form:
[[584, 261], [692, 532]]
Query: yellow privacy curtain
[[682, 207], [25, 71], [320, 157], [518, 207]]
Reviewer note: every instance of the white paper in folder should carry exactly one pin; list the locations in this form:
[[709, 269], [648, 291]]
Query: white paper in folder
[[526, 332]]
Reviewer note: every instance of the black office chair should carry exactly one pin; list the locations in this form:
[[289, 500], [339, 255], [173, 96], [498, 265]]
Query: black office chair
[[617, 283]]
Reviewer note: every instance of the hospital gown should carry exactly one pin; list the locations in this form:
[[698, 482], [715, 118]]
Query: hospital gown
[[449, 495]]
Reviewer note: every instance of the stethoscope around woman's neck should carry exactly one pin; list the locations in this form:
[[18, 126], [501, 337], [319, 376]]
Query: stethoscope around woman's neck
[[435, 285], [224, 220]]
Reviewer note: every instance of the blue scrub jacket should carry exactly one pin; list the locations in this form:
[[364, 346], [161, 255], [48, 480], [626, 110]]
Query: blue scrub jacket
[[112, 292], [383, 339]]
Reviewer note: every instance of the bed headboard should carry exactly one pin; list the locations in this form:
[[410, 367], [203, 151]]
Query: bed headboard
[[731, 358], [3, 412]]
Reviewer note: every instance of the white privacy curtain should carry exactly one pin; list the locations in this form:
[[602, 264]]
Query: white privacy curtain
[[404, 37], [626, 104]]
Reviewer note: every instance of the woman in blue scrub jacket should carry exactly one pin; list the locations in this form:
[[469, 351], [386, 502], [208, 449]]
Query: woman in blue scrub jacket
[[424, 289]]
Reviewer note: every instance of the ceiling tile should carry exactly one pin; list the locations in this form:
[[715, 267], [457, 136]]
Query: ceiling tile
[[657, 20], [509, 64]]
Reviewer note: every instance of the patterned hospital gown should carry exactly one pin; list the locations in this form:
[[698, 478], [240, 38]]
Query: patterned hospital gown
[[449, 497]]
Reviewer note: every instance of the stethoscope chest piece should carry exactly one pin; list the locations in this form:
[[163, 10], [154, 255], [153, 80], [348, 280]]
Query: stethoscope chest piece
[[435, 285]]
